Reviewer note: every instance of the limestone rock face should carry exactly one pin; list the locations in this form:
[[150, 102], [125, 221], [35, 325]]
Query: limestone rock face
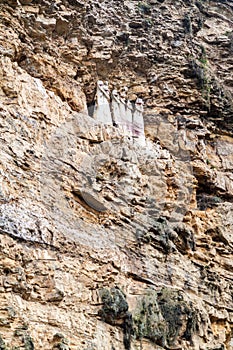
[[106, 243]]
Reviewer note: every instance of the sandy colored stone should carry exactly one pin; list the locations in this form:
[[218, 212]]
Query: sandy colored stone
[[84, 209]]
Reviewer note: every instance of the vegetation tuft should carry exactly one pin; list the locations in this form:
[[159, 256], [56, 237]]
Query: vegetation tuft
[[161, 316]]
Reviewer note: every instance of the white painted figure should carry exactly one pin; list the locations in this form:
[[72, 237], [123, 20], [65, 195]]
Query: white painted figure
[[123, 95], [138, 122], [126, 112], [102, 110], [116, 115], [129, 118]]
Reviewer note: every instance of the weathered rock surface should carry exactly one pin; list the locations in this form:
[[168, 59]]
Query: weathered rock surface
[[106, 244]]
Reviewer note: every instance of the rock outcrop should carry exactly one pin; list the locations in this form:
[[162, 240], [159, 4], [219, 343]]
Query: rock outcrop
[[108, 243]]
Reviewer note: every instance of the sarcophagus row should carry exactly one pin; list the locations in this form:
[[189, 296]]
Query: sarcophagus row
[[117, 110]]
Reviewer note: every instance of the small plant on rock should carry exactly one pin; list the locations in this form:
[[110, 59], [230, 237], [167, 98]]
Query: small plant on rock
[[2, 344], [144, 7], [115, 312]]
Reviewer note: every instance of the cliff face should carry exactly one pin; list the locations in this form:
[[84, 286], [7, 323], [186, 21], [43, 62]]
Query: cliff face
[[106, 244]]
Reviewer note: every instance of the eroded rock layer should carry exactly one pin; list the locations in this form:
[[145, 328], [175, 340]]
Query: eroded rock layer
[[106, 243]]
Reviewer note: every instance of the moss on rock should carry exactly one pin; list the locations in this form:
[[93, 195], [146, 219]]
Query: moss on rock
[[28, 343], [179, 315], [164, 317], [115, 312], [2, 344], [148, 321], [114, 307]]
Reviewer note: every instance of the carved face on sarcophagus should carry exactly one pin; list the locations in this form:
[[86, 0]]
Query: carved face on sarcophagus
[[106, 89], [100, 84]]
